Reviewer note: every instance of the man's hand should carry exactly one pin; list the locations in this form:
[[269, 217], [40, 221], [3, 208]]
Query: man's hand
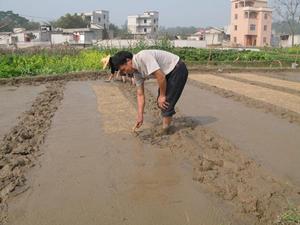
[[162, 102], [139, 121]]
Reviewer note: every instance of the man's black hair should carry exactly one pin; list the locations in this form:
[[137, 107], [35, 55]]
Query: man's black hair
[[121, 57]]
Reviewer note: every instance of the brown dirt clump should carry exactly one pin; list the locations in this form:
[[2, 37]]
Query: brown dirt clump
[[219, 166], [20, 146]]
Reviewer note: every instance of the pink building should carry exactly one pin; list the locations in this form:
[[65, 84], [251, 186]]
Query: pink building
[[251, 23]]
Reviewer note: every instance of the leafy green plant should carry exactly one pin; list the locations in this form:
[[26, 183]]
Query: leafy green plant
[[30, 62], [290, 217]]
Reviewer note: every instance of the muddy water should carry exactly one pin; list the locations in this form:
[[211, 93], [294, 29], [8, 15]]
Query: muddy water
[[93, 174], [271, 141], [14, 101]]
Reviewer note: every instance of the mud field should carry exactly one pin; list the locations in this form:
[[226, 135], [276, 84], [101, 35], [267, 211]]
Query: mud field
[[68, 154]]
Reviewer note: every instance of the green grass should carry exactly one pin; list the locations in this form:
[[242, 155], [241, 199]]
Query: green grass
[[290, 217]]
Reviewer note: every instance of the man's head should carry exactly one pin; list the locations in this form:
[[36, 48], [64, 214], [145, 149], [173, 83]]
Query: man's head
[[123, 61]]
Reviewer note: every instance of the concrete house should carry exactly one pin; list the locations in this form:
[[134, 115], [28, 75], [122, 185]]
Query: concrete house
[[42, 35], [98, 24], [214, 36], [251, 23], [198, 36], [145, 25], [6, 38], [285, 40], [98, 18], [78, 36]]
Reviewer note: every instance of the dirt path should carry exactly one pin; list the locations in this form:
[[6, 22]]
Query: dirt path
[[277, 98], [93, 173], [267, 80], [13, 102]]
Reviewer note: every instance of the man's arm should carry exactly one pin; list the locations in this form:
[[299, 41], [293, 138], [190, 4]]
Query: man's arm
[[141, 105], [162, 83]]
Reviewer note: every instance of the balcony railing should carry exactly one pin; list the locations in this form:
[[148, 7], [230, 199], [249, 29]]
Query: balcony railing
[[246, 4], [144, 24]]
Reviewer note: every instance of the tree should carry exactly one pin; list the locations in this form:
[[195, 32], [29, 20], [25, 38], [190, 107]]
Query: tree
[[289, 12], [282, 27], [120, 32], [105, 34], [32, 25], [10, 20], [115, 29], [71, 21]]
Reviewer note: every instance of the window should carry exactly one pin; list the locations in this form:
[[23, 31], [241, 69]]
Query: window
[[235, 27], [234, 39], [99, 19], [104, 16], [154, 20], [266, 16], [265, 27], [145, 21], [154, 29], [145, 29], [249, 4], [246, 15], [236, 16], [265, 40], [253, 15], [236, 5], [252, 27]]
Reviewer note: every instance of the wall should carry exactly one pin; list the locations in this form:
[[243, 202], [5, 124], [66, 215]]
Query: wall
[[132, 43]]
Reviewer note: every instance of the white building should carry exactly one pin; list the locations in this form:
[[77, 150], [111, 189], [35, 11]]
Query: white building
[[285, 40], [5, 38], [145, 25], [78, 36], [198, 36], [214, 36], [41, 35], [98, 18]]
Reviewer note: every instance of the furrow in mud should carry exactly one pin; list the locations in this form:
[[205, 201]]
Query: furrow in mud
[[280, 112], [220, 167], [20, 146], [263, 83]]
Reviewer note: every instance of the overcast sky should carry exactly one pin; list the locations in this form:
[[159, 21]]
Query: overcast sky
[[197, 13]]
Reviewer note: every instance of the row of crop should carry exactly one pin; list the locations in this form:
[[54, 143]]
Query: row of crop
[[202, 55], [58, 61], [42, 63], [190, 54]]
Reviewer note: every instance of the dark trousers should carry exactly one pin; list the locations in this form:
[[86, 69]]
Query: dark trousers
[[176, 81]]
